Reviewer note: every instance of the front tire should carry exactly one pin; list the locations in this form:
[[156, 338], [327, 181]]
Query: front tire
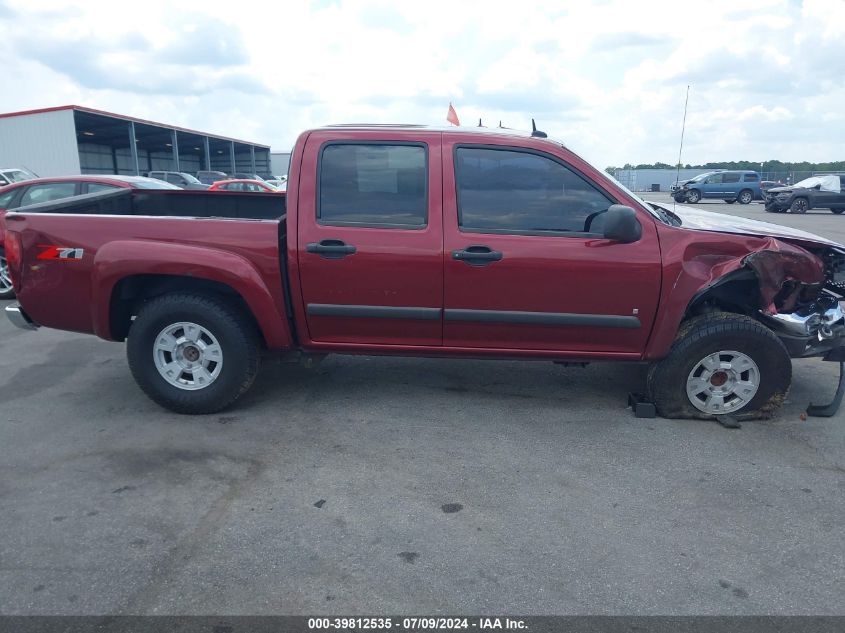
[[838, 211], [192, 353], [721, 363], [693, 196], [799, 205], [6, 289]]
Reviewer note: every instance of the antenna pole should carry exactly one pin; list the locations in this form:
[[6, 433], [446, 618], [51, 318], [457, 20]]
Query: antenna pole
[[681, 149]]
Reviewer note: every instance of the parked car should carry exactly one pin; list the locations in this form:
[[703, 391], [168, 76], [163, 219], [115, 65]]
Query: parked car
[[34, 191], [475, 242], [765, 185], [816, 192], [730, 186], [11, 176], [244, 176], [209, 177], [255, 186], [178, 178], [279, 183]]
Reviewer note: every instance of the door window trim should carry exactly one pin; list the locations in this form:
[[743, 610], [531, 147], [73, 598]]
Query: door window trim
[[373, 225], [524, 150]]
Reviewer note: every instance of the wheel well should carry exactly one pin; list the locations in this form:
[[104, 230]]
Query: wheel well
[[130, 294], [735, 292]]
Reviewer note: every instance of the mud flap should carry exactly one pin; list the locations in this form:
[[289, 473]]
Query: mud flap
[[829, 410]]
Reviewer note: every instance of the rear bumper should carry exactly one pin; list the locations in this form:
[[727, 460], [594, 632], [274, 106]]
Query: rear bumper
[[19, 318]]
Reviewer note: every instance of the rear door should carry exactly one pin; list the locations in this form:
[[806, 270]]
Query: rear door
[[370, 246], [522, 271]]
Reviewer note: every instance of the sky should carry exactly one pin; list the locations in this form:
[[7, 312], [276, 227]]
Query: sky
[[608, 78]]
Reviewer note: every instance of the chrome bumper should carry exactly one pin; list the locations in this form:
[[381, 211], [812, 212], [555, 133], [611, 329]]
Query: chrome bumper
[[19, 318]]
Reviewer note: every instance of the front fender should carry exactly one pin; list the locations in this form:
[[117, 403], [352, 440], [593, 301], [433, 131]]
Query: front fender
[[119, 259]]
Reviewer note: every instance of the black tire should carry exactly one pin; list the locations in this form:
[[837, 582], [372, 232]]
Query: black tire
[[730, 201], [235, 331], [799, 205], [680, 199], [6, 290], [838, 211], [745, 196], [693, 196], [714, 332]]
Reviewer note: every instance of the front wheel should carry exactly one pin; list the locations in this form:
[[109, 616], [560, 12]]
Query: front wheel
[[799, 205], [193, 353], [693, 196], [721, 363], [838, 211], [745, 196], [6, 289]]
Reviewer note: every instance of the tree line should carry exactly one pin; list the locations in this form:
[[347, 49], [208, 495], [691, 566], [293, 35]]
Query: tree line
[[768, 166]]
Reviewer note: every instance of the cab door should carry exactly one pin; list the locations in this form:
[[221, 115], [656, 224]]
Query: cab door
[[524, 268], [370, 240], [712, 186]]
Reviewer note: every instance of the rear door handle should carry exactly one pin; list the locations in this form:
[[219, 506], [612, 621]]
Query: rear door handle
[[477, 255], [331, 249]]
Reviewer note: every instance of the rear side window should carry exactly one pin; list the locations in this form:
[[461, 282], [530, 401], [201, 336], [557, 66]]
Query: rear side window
[[381, 185], [730, 177], [48, 192], [505, 191], [751, 178], [96, 187]]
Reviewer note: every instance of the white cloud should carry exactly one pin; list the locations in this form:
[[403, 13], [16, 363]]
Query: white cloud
[[607, 77]]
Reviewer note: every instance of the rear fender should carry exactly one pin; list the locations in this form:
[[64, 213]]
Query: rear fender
[[124, 258]]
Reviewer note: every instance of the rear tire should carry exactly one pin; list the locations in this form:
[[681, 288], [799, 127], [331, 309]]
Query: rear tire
[[745, 196], [721, 363], [730, 201], [6, 289], [693, 196], [193, 353]]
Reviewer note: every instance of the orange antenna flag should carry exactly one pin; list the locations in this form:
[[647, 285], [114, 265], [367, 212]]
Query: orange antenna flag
[[452, 116]]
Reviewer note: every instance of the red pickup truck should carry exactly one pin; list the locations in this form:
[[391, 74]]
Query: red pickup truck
[[423, 241]]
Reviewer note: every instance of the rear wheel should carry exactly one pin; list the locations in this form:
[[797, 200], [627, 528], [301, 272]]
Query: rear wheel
[[799, 205], [721, 363], [745, 196], [693, 196], [6, 289], [730, 201], [193, 353]]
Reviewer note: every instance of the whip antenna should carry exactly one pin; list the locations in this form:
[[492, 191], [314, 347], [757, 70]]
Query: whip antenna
[[681, 149]]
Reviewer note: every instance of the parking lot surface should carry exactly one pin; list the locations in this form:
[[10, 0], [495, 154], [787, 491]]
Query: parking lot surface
[[388, 485]]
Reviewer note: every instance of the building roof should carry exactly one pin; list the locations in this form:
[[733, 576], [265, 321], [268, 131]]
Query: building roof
[[127, 118]]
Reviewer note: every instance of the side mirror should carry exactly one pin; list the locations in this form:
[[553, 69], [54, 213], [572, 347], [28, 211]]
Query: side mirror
[[621, 224]]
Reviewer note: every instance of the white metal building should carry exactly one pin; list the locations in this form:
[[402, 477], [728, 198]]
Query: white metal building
[[70, 140]]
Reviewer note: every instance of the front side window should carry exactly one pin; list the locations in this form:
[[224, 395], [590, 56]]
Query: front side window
[[730, 177], [176, 179], [506, 191], [48, 192], [373, 185], [715, 179]]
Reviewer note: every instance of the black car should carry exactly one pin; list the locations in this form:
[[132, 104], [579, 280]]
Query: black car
[[816, 192]]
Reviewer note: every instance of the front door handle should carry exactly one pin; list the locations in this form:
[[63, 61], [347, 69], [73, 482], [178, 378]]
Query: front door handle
[[477, 255], [331, 249]]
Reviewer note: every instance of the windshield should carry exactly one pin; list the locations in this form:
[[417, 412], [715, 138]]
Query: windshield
[[700, 177], [152, 183], [18, 175]]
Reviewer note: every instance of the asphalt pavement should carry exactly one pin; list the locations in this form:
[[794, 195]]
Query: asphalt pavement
[[389, 485]]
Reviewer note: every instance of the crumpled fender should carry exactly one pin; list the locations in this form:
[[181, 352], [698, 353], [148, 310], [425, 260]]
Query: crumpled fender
[[122, 258], [694, 261]]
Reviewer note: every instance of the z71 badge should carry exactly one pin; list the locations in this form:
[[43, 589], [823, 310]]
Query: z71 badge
[[60, 252]]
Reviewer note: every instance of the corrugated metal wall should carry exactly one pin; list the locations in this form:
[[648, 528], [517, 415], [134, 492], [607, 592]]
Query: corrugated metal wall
[[643, 179], [44, 143]]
